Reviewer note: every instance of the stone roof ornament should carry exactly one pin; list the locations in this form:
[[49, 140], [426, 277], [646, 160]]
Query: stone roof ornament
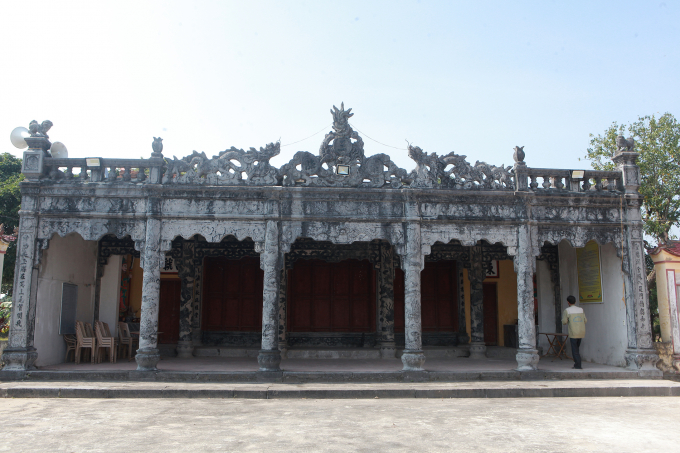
[[625, 145], [518, 155], [157, 147], [230, 168], [452, 171], [341, 161], [40, 130]]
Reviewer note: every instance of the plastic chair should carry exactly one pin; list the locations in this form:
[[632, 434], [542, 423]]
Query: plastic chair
[[71, 343], [125, 338]]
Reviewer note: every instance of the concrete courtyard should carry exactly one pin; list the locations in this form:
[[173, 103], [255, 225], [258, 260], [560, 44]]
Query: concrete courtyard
[[368, 425]]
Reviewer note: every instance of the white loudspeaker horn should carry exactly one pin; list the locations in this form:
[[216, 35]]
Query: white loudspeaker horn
[[59, 151], [17, 137]]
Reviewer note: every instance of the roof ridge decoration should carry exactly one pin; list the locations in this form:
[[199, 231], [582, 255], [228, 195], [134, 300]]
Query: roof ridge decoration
[[229, 168], [452, 171], [341, 161]]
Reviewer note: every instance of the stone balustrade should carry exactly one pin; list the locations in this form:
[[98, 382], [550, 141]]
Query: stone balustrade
[[107, 170], [551, 179]]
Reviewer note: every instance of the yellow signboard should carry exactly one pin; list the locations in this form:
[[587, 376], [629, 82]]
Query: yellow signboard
[[589, 276]]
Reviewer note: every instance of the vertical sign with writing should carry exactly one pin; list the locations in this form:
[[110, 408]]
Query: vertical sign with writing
[[589, 275]]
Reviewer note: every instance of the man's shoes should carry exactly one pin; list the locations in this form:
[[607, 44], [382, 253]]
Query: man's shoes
[[576, 367]]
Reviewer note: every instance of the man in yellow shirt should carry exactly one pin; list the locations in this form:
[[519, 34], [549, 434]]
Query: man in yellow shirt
[[576, 319]]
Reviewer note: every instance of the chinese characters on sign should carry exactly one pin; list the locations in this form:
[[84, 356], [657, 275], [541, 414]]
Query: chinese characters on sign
[[589, 276]]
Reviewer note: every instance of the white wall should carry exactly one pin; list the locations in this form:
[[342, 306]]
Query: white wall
[[606, 338], [109, 293], [546, 303], [72, 260]]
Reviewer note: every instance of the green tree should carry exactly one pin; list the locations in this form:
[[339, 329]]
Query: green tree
[[10, 202], [658, 142]]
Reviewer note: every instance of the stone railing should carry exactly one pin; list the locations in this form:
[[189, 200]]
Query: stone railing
[[103, 170], [551, 179]]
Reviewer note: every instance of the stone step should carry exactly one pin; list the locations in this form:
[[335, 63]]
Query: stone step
[[531, 389]]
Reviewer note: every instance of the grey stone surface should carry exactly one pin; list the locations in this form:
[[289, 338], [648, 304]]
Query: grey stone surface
[[375, 424]]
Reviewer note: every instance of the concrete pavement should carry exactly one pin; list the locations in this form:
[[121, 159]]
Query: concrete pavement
[[524, 425]]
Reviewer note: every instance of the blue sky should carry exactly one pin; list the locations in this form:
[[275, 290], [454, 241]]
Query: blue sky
[[476, 78]]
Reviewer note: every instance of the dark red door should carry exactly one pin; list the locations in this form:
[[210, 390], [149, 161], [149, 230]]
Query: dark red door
[[438, 297], [232, 294], [168, 311], [331, 297], [490, 314]]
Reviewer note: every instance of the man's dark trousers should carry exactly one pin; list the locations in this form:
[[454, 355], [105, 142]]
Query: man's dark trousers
[[575, 344]]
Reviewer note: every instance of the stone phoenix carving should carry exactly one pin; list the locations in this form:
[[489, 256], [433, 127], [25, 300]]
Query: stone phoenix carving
[[452, 171], [228, 168], [341, 161]]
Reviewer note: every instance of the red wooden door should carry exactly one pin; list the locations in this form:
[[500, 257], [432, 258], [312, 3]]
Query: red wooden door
[[398, 300], [168, 311], [331, 297], [438, 297], [232, 294], [490, 301]]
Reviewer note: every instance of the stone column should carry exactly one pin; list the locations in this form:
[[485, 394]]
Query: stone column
[[271, 263], [640, 353], [388, 347], [413, 357], [463, 337], [185, 268], [525, 266], [20, 353], [283, 312], [476, 275], [148, 355]]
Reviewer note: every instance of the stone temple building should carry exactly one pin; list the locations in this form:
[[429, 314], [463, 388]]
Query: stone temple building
[[334, 251]]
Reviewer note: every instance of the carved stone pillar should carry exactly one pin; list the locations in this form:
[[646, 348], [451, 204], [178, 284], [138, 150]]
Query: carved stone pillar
[[148, 355], [525, 266], [283, 312], [386, 302], [20, 353], [463, 337], [269, 357], [413, 357], [476, 275], [186, 271], [640, 353]]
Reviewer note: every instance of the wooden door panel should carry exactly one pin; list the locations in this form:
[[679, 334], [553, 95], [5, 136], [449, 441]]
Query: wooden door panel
[[490, 301], [331, 297], [438, 297], [168, 311], [399, 300], [232, 294]]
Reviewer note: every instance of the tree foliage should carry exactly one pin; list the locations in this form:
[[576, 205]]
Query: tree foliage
[[658, 142], [10, 202]]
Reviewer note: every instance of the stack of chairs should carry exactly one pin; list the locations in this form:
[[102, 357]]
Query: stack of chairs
[[84, 341], [105, 341]]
